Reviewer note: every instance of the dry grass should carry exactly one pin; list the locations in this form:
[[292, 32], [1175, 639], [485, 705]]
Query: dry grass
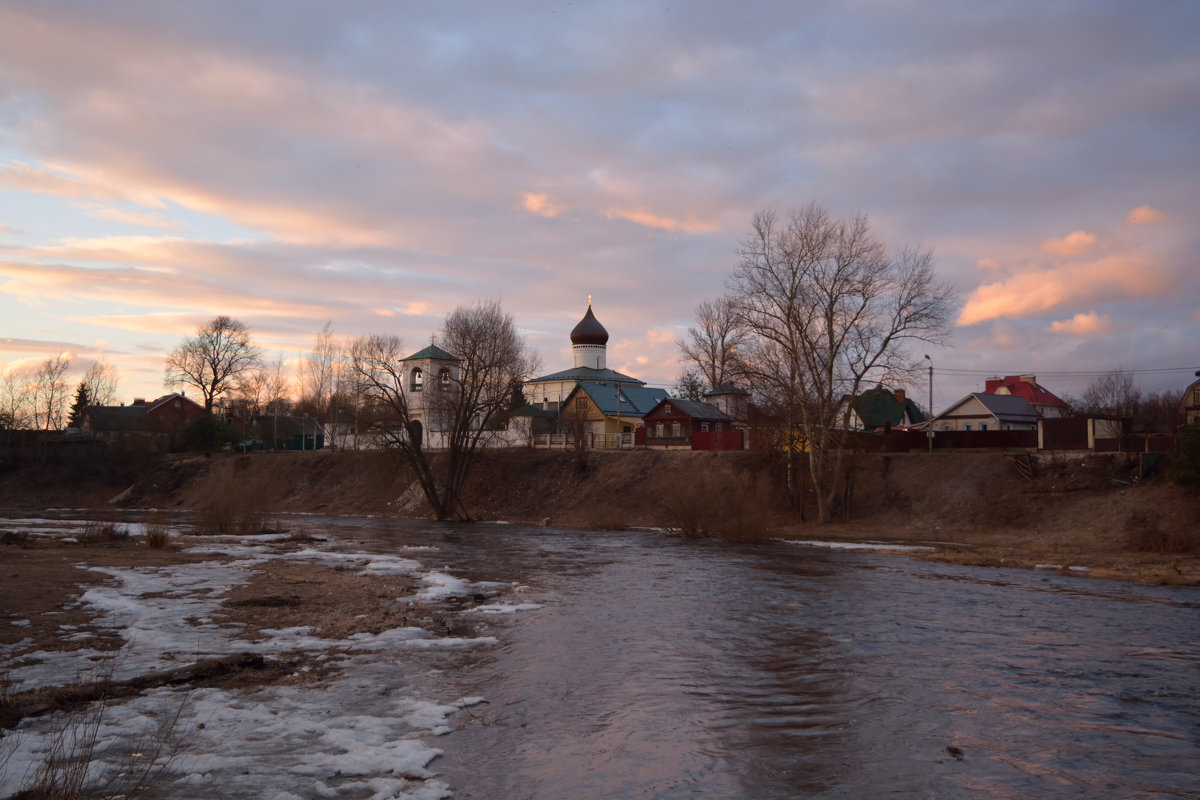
[[103, 532], [158, 535]]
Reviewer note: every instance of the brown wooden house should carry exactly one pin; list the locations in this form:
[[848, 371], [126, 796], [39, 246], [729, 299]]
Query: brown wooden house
[[690, 425]]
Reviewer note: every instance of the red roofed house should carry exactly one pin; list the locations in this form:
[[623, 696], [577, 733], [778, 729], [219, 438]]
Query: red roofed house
[[1044, 402]]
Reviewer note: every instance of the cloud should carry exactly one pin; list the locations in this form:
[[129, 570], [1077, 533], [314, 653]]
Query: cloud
[[1145, 215], [1075, 244], [651, 220], [144, 219], [1083, 324], [540, 204], [987, 264]]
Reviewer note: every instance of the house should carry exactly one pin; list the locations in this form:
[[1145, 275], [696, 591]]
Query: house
[[1189, 405], [286, 432], [730, 400], [690, 425], [607, 408], [163, 418], [883, 409], [589, 347], [981, 411], [1044, 402]]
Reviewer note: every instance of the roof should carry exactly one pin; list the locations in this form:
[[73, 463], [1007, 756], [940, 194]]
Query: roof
[[117, 418], [635, 401], [880, 408], [434, 352], [696, 409], [1026, 386], [589, 330], [725, 388], [590, 374], [1002, 406]]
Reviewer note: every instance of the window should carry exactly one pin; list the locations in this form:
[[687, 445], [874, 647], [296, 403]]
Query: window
[[720, 427], [676, 430], [581, 403], [444, 379], [418, 379], [666, 408], [704, 427], [658, 430], [966, 426], [983, 426]]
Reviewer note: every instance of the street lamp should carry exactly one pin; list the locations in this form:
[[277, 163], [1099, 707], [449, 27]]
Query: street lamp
[[929, 433]]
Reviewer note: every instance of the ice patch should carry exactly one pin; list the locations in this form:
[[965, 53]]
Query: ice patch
[[884, 546]]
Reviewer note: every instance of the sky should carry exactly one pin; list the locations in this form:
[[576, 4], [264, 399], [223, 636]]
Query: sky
[[377, 164]]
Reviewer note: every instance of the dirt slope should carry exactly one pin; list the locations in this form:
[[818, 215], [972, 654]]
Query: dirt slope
[[1091, 511]]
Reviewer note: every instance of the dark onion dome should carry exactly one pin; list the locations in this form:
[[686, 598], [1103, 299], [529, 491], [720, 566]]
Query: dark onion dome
[[589, 330]]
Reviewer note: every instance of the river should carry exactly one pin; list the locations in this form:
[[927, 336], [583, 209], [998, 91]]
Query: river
[[643, 666], [659, 668]]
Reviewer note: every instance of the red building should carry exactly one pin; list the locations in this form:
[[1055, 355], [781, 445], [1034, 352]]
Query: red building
[[690, 425], [1044, 402]]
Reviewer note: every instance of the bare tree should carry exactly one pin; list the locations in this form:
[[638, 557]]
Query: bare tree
[[828, 309], [493, 360], [14, 399], [214, 360], [49, 392], [264, 388], [102, 380], [319, 371], [1115, 393], [717, 345]]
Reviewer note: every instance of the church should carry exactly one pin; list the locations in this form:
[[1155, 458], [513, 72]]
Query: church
[[611, 401]]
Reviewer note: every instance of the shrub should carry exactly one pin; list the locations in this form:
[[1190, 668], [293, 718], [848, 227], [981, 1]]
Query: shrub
[[1184, 469], [207, 432], [1146, 535], [706, 505], [101, 532], [236, 507], [158, 536]]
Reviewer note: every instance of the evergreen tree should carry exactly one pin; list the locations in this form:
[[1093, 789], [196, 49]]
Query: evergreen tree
[[75, 418]]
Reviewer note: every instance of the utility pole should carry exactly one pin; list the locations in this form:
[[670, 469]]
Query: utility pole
[[929, 433]]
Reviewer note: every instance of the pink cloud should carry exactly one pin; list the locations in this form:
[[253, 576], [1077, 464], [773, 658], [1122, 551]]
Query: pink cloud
[[1145, 215], [988, 264], [651, 220], [1072, 245], [1084, 324], [540, 204]]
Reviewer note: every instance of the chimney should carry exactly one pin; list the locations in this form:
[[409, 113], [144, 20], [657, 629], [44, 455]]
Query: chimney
[[992, 384], [139, 401], [899, 393]]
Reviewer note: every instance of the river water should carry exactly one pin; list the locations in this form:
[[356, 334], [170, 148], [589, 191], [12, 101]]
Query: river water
[[649, 667], [658, 668]]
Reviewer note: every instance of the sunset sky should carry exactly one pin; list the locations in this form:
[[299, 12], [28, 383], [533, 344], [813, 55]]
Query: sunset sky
[[376, 164]]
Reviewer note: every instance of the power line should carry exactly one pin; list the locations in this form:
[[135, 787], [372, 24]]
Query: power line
[[1060, 373]]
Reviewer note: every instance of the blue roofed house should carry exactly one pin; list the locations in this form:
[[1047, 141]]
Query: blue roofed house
[[589, 397], [980, 411]]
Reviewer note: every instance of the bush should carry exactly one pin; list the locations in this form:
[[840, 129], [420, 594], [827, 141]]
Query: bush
[[99, 532], [234, 507], [708, 506], [1184, 469], [206, 433], [1146, 535], [158, 536]]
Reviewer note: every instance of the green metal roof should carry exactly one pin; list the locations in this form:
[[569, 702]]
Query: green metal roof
[[434, 352]]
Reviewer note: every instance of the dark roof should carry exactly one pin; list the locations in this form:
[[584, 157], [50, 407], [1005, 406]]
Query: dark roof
[[635, 401], [880, 408], [1002, 406], [589, 330], [725, 388], [696, 409], [117, 418], [590, 374], [434, 352]]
